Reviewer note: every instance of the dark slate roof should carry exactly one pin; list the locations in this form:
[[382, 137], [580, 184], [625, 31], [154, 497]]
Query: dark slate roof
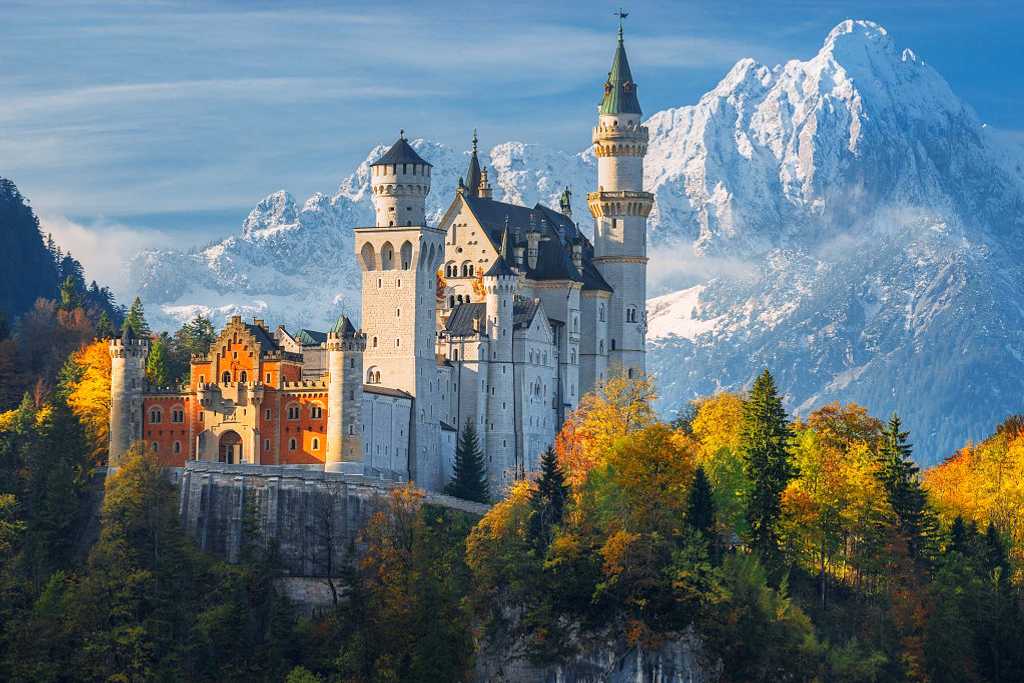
[[460, 322], [499, 269], [385, 391], [447, 427], [619, 89], [400, 153], [310, 337], [343, 327], [127, 333], [265, 340], [472, 182], [523, 312]]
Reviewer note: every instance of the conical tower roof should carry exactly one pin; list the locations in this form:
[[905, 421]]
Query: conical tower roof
[[619, 89], [473, 173], [343, 327], [401, 153]]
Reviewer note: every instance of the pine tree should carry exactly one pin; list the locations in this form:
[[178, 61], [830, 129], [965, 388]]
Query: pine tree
[[158, 371], [196, 336], [764, 445], [69, 299], [469, 481], [104, 327], [899, 475], [136, 319], [700, 505], [548, 501]]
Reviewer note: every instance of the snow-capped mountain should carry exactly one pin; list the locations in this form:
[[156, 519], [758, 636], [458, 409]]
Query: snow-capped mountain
[[846, 221]]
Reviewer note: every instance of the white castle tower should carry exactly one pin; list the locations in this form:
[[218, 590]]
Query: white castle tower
[[127, 377], [399, 258], [345, 347], [500, 434], [620, 208]]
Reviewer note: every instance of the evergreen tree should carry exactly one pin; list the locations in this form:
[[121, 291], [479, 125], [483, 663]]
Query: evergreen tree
[[196, 336], [900, 477], [548, 501], [700, 506], [158, 371], [104, 327], [764, 445], [469, 481], [69, 299], [136, 319]]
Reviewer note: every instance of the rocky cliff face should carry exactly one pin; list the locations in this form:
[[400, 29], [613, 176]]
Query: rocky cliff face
[[846, 221]]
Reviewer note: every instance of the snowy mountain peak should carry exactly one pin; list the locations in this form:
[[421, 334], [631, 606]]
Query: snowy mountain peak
[[275, 210]]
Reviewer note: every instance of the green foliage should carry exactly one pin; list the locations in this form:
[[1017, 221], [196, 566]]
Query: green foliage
[[469, 480], [548, 500], [764, 447], [69, 299], [136, 319], [700, 506], [158, 370], [917, 522], [105, 327]]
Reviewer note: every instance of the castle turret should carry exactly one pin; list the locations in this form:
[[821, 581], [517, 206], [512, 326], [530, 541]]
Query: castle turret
[[345, 347], [499, 286], [400, 182], [127, 379], [620, 208], [399, 261], [473, 173]]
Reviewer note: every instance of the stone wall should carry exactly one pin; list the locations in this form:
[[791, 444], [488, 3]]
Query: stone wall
[[314, 516]]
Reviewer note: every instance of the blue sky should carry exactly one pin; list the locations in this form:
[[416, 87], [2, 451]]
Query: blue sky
[[168, 121]]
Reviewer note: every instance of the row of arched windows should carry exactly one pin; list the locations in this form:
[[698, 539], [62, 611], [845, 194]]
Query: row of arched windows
[[156, 415], [385, 259], [452, 269]]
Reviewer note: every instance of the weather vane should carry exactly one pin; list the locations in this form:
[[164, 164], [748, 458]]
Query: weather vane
[[621, 15]]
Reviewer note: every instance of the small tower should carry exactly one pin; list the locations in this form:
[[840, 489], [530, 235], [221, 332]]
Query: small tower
[[345, 347], [485, 191], [400, 183], [620, 208], [399, 260], [502, 453], [127, 379]]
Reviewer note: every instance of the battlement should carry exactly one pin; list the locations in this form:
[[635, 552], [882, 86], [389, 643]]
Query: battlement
[[604, 204], [167, 391], [304, 384]]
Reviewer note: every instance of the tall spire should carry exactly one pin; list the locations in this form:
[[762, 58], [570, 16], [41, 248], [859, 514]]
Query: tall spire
[[473, 174], [619, 89]]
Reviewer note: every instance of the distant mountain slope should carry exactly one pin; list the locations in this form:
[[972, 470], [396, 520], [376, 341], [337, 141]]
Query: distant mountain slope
[[846, 221]]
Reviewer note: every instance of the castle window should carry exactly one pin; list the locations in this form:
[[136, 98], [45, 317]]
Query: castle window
[[398, 312], [244, 377], [266, 444], [177, 414], [351, 362], [202, 379], [226, 377], [455, 354], [351, 394], [155, 446], [600, 346], [268, 414], [292, 444], [177, 447], [374, 342], [155, 416], [398, 342], [293, 412], [316, 412], [351, 430], [629, 373], [234, 354], [601, 313], [268, 378], [316, 444], [613, 344]]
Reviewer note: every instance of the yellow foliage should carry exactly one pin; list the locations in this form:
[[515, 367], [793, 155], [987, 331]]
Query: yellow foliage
[[717, 424], [984, 483], [616, 409], [89, 397]]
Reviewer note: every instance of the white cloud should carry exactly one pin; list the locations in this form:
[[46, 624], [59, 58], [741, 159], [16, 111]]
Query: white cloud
[[103, 248]]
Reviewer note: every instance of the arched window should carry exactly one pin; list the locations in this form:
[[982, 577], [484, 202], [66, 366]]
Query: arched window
[[177, 447], [600, 346], [387, 256], [268, 378], [243, 377], [155, 446], [177, 414], [226, 377], [601, 313], [373, 375], [292, 444], [155, 416], [613, 344], [368, 257], [629, 373], [316, 444], [406, 255], [316, 411], [293, 412], [351, 429], [455, 354]]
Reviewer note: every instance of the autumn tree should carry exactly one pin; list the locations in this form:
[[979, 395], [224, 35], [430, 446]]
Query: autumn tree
[[85, 381]]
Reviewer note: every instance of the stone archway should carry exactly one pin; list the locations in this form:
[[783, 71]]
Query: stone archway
[[229, 448]]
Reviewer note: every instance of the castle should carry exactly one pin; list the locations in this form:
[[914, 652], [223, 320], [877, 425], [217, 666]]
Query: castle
[[502, 316]]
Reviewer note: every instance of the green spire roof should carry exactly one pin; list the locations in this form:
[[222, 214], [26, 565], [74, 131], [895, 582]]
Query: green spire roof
[[619, 89], [473, 173]]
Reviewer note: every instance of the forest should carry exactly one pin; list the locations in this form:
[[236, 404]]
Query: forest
[[805, 548]]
